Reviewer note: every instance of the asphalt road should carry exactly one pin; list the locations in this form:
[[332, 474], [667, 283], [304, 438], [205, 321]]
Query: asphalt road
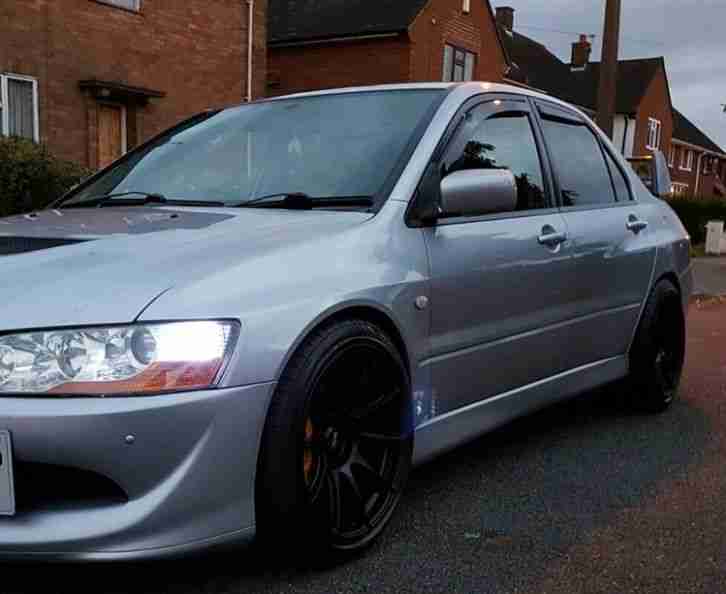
[[583, 497]]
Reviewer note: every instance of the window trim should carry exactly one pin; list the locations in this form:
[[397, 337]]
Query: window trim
[[623, 173], [672, 157], [682, 187], [687, 162], [466, 52], [112, 3], [558, 113], [466, 7], [5, 100], [412, 218], [654, 126]]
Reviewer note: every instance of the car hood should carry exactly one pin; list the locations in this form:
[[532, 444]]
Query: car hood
[[98, 266]]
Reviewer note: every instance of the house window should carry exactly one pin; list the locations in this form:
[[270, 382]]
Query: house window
[[707, 165], [458, 64], [680, 189], [466, 8], [672, 157], [654, 132], [134, 5], [19, 106], [686, 159]]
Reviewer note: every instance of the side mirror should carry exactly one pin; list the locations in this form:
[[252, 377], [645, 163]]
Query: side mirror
[[653, 172], [478, 192]]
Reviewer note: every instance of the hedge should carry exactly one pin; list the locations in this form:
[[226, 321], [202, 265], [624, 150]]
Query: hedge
[[695, 213], [31, 178]]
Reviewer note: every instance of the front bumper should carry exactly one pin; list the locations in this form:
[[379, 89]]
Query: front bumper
[[184, 463]]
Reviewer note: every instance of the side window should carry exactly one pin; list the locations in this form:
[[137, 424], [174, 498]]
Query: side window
[[502, 140], [579, 163], [622, 190]]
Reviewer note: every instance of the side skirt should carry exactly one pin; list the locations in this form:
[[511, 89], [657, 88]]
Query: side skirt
[[459, 426]]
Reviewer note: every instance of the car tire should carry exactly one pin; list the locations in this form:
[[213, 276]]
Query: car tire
[[658, 351], [339, 427]]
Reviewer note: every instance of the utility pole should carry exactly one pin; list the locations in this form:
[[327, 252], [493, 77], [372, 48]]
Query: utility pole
[[607, 91]]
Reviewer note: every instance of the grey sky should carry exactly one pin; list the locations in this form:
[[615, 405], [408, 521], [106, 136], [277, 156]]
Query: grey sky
[[690, 34]]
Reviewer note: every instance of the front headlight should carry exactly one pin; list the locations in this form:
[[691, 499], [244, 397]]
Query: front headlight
[[130, 360]]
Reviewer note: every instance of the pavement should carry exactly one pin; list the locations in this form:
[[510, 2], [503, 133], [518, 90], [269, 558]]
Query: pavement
[[583, 497], [710, 275]]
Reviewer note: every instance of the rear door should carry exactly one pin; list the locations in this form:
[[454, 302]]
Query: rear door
[[499, 282], [612, 257]]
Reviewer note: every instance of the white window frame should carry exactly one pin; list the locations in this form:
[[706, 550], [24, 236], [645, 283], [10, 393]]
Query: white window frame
[[680, 189], [686, 160], [466, 7], [115, 3], [707, 165], [655, 128], [4, 100], [449, 76], [672, 157]]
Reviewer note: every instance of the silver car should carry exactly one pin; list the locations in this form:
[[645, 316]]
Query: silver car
[[255, 324]]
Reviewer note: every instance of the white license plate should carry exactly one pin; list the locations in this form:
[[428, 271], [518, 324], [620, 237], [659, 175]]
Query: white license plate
[[7, 491]]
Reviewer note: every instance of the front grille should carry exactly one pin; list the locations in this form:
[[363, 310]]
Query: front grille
[[47, 487], [22, 245]]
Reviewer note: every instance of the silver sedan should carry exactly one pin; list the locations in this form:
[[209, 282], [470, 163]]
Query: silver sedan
[[256, 323]]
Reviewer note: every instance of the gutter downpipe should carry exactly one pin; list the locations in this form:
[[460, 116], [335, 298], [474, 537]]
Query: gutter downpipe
[[698, 175], [250, 40]]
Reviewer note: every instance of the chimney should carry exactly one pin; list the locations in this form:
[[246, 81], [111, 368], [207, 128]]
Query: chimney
[[581, 53], [505, 17]]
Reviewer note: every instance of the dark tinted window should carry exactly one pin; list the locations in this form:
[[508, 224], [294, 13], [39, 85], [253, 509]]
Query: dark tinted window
[[579, 162], [622, 191], [502, 140]]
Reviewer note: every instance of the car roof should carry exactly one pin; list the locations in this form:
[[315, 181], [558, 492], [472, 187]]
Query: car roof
[[463, 91]]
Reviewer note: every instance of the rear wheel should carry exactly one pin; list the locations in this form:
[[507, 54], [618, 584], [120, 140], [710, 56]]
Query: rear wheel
[[337, 445], [658, 352]]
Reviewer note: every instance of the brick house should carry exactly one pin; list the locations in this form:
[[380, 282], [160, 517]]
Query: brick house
[[643, 120], [93, 78], [698, 164], [316, 44]]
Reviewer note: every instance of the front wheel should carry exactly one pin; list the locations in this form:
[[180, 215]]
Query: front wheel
[[337, 444], [658, 352]]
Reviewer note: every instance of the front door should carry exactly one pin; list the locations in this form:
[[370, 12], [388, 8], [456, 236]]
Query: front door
[[498, 282], [111, 133]]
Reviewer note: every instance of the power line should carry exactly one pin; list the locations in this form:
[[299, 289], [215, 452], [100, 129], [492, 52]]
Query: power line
[[591, 35]]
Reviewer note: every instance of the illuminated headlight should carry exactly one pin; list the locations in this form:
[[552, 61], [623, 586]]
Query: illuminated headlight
[[129, 360]]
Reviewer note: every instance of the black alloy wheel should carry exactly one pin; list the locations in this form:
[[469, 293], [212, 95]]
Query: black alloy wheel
[[658, 353], [338, 441]]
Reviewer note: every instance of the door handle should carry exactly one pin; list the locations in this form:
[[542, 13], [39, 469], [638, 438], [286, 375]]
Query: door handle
[[551, 238], [635, 225]]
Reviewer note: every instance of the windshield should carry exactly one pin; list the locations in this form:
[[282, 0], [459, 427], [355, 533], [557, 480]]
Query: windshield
[[323, 146]]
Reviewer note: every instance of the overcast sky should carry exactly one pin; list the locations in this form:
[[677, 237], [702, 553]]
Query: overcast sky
[[691, 34]]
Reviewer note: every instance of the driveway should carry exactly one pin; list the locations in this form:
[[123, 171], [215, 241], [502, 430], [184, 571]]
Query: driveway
[[583, 497]]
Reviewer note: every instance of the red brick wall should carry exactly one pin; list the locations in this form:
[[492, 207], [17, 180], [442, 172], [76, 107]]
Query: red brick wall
[[707, 182], [679, 175], [344, 64], [655, 104], [416, 57], [442, 21], [194, 51]]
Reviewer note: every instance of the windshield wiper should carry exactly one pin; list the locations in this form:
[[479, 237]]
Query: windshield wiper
[[144, 198], [302, 201]]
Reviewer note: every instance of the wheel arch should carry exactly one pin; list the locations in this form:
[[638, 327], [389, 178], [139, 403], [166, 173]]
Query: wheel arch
[[362, 310], [667, 275]]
